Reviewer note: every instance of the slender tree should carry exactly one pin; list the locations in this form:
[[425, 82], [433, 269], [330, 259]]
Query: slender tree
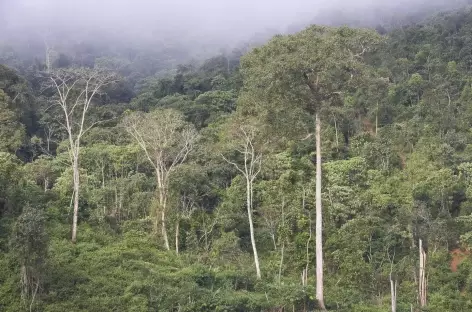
[[422, 278], [166, 140], [319, 218], [393, 283], [250, 169], [74, 91]]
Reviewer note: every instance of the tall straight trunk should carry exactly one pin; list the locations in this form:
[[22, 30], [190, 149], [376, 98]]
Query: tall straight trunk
[[177, 229], [46, 184], [164, 228], [393, 292], [161, 183], [377, 119], [115, 209], [422, 280], [103, 176], [307, 250], [75, 166], [251, 225], [393, 285], [281, 261], [319, 219], [336, 131]]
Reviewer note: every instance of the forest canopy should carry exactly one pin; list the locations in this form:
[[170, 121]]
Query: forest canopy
[[326, 169]]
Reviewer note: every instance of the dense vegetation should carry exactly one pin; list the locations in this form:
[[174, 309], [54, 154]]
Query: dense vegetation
[[177, 179]]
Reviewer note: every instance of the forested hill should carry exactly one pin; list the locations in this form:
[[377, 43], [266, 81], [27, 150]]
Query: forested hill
[[125, 186]]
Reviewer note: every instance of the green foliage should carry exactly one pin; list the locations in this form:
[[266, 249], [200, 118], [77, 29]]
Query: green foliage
[[11, 131], [397, 167]]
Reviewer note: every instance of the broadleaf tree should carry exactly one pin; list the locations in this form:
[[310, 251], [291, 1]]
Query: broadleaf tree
[[306, 74]]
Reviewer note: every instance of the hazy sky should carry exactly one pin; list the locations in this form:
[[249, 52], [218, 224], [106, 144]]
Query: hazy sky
[[209, 15], [209, 19]]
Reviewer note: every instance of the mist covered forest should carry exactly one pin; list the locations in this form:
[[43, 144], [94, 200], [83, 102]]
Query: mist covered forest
[[316, 158]]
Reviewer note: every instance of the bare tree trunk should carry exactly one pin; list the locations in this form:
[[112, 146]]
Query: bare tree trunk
[[377, 119], [120, 206], [272, 235], [393, 283], [281, 260], [177, 229], [420, 274], [251, 225], [164, 229], [336, 131], [393, 291], [319, 219], [307, 249], [33, 296], [422, 281], [103, 175], [115, 209], [76, 181], [162, 206]]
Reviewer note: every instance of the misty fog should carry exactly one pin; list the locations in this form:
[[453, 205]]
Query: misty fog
[[200, 28], [206, 20]]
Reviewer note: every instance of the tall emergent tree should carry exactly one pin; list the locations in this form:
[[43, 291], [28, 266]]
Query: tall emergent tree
[[166, 140], [74, 91], [304, 75]]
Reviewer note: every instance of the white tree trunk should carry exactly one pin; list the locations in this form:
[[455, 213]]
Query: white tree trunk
[[422, 281], [251, 225], [76, 181], [281, 261], [177, 229], [164, 228], [319, 219], [377, 119], [393, 292], [161, 183]]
